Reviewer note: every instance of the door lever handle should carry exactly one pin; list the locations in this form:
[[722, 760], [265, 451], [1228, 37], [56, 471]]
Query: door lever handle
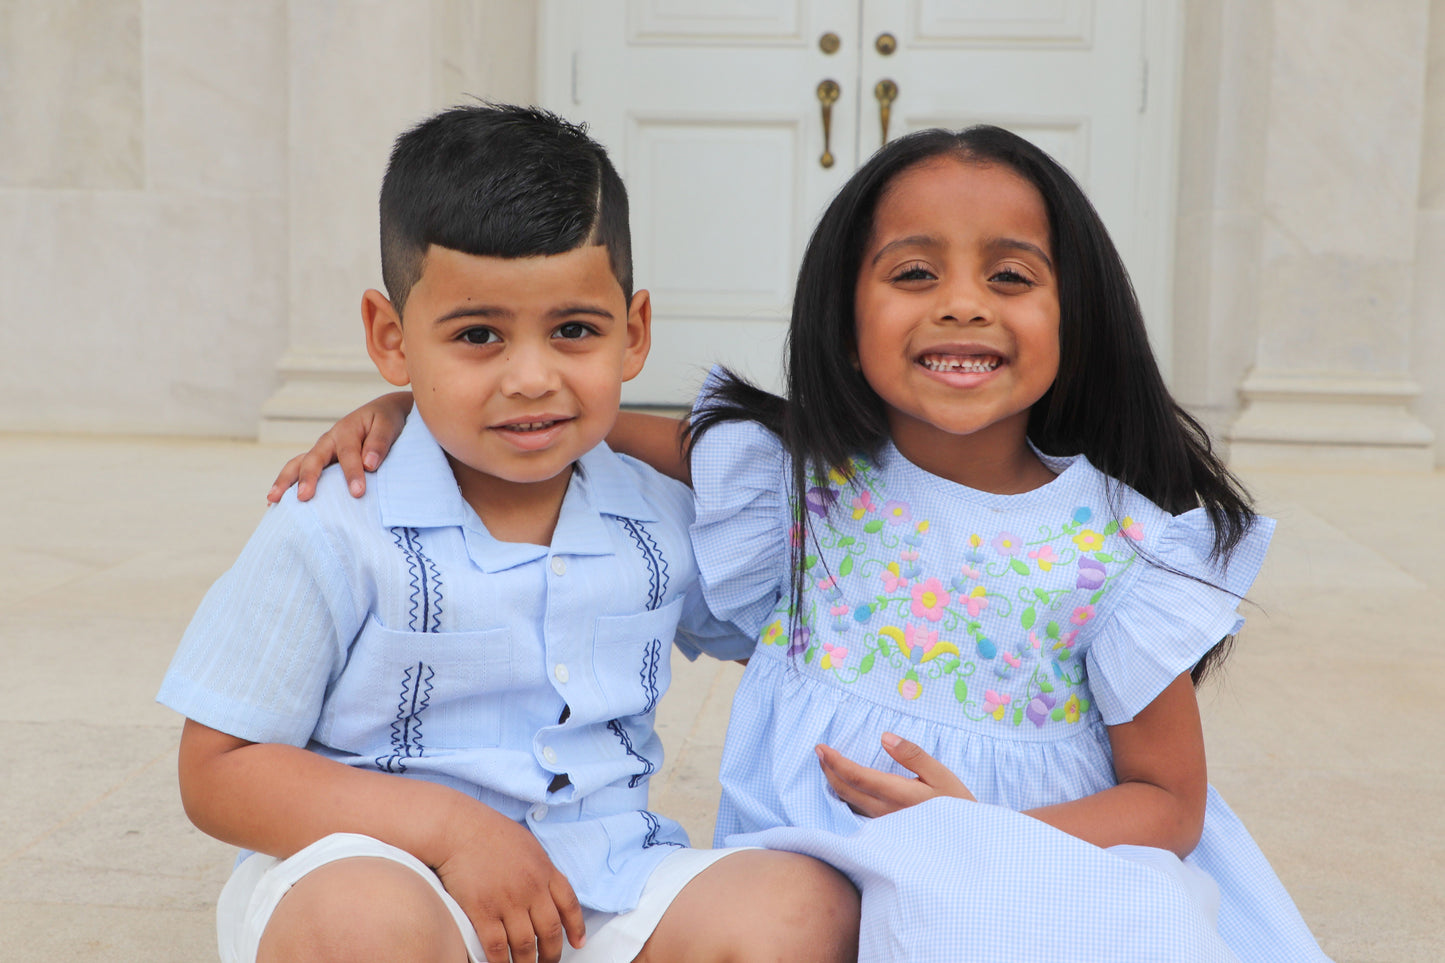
[[886, 91], [828, 92]]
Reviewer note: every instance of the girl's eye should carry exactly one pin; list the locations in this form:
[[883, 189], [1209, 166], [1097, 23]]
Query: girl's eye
[[1009, 276], [575, 331], [479, 336], [913, 272]]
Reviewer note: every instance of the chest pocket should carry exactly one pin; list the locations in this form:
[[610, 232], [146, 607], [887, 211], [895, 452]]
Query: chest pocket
[[403, 695], [632, 657]]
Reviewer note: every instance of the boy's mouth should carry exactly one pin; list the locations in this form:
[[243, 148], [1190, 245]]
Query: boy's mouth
[[966, 363], [526, 426]]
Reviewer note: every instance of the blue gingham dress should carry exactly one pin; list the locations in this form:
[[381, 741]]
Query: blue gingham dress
[[1002, 634]]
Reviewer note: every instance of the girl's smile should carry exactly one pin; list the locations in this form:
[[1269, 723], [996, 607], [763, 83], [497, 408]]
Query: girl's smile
[[957, 316]]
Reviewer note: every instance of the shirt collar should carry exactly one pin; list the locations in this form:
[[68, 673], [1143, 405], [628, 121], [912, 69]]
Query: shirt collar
[[416, 489]]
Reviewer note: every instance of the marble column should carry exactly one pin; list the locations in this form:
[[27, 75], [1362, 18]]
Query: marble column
[[1331, 383], [1427, 347], [361, 72]]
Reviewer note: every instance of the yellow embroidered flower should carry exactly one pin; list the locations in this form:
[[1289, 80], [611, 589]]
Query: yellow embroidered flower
[[773, 634], [1089, 540], [1071, 709]]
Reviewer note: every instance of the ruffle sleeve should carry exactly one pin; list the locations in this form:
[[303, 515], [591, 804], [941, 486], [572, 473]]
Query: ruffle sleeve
[[1164, 621], [740, 480]]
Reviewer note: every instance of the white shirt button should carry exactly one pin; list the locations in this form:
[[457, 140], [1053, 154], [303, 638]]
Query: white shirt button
[[561, 673], [539, 812], [559, 565], [549, 754]]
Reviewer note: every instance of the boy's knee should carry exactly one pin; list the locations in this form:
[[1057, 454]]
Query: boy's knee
[[817, 910], [361, 909]]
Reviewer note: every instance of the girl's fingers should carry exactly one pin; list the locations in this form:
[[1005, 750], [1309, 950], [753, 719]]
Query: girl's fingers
[[867, 791], [285, 479], [929, 770]]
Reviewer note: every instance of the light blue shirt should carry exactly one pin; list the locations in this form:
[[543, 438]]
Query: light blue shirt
[[392, 632]]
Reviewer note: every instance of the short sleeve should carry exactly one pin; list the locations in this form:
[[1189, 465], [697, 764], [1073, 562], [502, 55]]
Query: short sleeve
[[1173, 611], [740, 481], [270, 635]]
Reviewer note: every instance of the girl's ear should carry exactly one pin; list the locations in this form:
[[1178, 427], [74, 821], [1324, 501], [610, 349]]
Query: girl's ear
[[384, 340], [639, 334]]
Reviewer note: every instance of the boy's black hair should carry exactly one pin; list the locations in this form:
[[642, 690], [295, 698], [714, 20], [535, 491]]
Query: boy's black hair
[[1108, 401], [498, 180]]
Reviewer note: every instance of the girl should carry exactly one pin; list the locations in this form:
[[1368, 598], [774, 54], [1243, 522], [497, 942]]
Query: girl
[[979, 527]]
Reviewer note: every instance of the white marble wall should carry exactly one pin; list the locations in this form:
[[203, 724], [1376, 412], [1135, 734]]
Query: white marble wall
[[142, 216], [1427, 347]]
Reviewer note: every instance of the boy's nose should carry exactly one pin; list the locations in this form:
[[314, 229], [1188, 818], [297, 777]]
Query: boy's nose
[[529, 372]]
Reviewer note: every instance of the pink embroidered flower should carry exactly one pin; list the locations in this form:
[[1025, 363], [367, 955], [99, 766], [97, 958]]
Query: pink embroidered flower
[[833, 656], [892, 581], [1007, 543], [929, 600], [995, 703], [1132, 529], [1045, 557], [1089, 540], [1034, 640], [897, 512], [795, 534], [908, 555], [1082, 614], [863, 504], [1067, 641], [921, 639], [970, 572], [827, 583], [975, 601], [1013, 660], [909, 688], [839, 609]]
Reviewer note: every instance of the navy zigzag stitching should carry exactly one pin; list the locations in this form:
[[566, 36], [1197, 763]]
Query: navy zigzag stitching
[[652, 555], [647, 767], [653, 827], [649, 674], [406, 735], [425, 582]]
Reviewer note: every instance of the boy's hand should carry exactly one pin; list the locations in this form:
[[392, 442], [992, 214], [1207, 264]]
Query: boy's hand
[[517, 901], [358, 441], [872, 792]]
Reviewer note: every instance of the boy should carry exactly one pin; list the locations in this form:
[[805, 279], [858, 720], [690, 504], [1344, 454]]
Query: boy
[[428, 712]]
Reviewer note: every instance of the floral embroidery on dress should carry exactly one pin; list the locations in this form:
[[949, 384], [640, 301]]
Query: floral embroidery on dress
[[895, 601]]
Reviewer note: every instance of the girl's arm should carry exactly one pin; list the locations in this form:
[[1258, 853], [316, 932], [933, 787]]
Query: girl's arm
[[656, 440], [277, 799], [1158, 799], [358, 441]]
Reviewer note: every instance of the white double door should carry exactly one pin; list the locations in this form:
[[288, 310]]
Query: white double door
[[711, 110]]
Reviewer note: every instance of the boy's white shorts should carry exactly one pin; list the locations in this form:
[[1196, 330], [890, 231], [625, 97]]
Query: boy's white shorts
[[258, 883]]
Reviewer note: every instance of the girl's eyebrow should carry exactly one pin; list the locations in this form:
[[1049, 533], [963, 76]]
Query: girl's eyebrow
[[1015, 244], [912, 240]]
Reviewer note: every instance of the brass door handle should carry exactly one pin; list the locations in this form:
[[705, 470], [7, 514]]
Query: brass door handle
[[828, 92], [886, 91]]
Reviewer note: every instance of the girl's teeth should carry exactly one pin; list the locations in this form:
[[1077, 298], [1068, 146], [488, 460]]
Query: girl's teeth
[[970, 365]]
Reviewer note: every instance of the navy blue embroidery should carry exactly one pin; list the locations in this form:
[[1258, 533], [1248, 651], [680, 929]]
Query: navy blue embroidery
[[406, 737], [652, 555], [426, 583], [653, 827], [649, 674], [647, 767]]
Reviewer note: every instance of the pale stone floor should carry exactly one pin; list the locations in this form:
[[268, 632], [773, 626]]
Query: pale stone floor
[[1325, 735]]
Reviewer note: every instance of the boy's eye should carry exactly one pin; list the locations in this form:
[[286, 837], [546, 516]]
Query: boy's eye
[[574, 330], [479, 336]]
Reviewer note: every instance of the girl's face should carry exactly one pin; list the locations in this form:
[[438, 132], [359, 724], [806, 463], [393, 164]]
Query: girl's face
[[957, 312]]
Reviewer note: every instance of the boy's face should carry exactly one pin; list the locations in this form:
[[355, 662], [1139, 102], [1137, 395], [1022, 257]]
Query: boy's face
[[516, 364]]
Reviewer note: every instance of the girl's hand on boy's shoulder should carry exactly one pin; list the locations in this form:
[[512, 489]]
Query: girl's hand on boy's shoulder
[[358, 442], [873, 792], [521, 906]]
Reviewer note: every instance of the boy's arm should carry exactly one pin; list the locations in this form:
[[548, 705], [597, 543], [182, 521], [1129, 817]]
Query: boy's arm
[[653, 439], [277, 799]]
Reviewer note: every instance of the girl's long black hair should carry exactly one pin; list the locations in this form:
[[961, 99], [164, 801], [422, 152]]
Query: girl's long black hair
[[1131, 429]]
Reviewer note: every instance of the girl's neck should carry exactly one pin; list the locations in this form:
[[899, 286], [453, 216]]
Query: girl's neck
[[996, 459]]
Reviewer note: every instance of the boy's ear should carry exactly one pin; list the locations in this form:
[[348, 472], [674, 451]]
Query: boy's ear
[[639, 334], [384, 340]]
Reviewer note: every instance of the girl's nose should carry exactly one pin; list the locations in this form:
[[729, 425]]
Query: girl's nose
[[964, 301]]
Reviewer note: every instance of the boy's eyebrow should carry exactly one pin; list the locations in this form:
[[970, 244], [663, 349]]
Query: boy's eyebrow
[[497, 311]]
